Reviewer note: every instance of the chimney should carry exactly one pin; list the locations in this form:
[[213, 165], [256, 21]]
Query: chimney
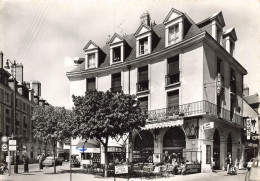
[[246, 91], [78, 61], [19, 72], [145, 18], [36, 86], [1, 60]]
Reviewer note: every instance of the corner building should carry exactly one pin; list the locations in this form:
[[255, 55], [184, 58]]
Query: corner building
[[186, 75]]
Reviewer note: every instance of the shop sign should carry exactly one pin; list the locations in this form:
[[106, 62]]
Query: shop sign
[[164, 124], [121, 169], [219, 84], [193, 168], [248, 128], [251, 145], [209, 125]]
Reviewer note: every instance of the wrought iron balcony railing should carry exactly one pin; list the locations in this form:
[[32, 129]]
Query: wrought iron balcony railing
[[172, 78], [116, 89], [195, 108], [142, 86]]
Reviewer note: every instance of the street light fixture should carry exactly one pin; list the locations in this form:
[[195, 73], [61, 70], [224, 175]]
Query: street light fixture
[[14, 116]]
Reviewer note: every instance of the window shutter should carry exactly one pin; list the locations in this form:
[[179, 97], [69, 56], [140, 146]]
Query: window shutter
[[173, 98], [91, 84], [143, 74], [116, 80], [173, 65]]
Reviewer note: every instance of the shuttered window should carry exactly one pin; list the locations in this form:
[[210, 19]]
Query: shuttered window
[[144, 103], [116, 80], [173, 98], [91, 84], [173, 65], [143, 74]]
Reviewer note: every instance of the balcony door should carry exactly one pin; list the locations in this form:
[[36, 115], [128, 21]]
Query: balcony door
[[173, 99], [116, 82]]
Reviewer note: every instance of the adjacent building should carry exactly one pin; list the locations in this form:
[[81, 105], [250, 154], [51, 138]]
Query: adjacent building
[[187, 77], [27, 96]]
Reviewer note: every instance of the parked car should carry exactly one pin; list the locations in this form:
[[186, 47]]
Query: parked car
[[49, 161], [253, 173], [249, 164]]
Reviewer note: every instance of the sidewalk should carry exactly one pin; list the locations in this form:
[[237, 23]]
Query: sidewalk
[[47, 175]]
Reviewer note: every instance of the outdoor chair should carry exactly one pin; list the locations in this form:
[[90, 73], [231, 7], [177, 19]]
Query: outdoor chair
[[156, 171], [137, 172], [169, 170], [163, 170]]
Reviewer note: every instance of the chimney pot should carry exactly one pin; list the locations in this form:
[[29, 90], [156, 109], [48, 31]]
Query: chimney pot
[[145, 18]]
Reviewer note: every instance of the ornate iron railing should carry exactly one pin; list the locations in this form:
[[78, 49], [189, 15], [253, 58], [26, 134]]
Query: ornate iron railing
[[172, 78], [194, 108], [142, 86]]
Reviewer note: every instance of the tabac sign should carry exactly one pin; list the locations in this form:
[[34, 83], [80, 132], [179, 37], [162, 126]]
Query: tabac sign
[[248, 128], [219, 84]]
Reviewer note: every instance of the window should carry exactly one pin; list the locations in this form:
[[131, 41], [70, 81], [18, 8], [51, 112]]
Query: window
[[143, 46], [143, 82], [173, 75], [117, 54], [91, 84], [173, 99], [208, 154], [91, 60], [174, 36], [144, 103], [7, 98], [116, 82]]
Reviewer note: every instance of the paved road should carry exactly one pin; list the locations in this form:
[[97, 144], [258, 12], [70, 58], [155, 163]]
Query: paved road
[[63, 175]]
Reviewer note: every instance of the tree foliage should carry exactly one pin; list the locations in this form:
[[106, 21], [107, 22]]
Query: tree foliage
[[102, 115], [51, 124]]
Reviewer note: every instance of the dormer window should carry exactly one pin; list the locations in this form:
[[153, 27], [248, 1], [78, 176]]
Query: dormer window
[[143, 46], [117, 49], [174, 35], [91, 61], [174, 27], [116, 54], [91, 55], [229, 39], [232, 49]]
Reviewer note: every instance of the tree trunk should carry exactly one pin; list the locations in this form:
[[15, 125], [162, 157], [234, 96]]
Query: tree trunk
[[54, 154], [106, 161]]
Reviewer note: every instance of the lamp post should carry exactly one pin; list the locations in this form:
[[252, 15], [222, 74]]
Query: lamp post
[[14, 106]]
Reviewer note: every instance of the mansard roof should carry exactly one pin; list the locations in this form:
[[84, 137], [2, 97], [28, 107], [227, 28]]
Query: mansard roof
[[158, 30]]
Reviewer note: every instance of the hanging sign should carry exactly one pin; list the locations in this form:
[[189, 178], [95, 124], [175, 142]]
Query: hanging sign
[[219, 84], [209, 125], [248, 128]]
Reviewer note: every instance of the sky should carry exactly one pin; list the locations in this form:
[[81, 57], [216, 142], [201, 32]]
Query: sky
[[45, 36]]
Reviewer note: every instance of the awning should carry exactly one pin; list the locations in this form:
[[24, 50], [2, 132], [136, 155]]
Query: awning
[[163, 124], [89, 146]]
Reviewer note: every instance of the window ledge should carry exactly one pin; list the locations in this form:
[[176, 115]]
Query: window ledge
[[143, 92], [177, 84], [117, 62]]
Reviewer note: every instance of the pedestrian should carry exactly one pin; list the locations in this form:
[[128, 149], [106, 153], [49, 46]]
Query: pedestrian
[[40, 162], [25, 163], [228, 162]]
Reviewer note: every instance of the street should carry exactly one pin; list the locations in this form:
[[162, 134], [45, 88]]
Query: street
[[63, 174]]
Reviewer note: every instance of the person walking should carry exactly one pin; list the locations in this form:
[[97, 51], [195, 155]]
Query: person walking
[[228, 162], [40, 162], [25, 163]]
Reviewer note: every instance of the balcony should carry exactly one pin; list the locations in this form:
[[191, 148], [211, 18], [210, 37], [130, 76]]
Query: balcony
[[172, 78], [116, 89], [142, 86], [193, 109]]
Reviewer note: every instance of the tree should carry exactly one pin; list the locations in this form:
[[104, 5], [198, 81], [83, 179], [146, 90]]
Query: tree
[[100, 115], [49, 125]]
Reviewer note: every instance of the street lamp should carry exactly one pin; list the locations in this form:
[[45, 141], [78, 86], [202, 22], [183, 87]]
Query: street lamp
[[14, 116]]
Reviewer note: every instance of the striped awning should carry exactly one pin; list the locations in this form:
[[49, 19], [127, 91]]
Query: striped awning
[[163, 124]]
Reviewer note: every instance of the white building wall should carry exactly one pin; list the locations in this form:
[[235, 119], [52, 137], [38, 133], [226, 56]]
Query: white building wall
[[77, 88]]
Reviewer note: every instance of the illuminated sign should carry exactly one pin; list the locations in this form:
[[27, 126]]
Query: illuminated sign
[[248, 128], [219, 84]]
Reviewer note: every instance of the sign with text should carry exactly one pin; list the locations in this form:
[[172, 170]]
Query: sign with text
[[209, 125], [248, 128], [121, 169], [193, 168], [12, 142], [12, 147], [4, 147], [219, 84]]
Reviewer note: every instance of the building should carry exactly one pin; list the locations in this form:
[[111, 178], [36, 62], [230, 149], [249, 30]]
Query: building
[[27, 96], [186, 75]]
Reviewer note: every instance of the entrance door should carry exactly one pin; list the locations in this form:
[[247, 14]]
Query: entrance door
[[216, 150]]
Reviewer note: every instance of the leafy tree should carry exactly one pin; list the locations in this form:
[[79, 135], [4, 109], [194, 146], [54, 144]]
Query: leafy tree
[[49, 125], [100, 115]]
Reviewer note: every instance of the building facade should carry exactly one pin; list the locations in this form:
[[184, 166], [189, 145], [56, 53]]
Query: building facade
[[27, 96], [186, 75]]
